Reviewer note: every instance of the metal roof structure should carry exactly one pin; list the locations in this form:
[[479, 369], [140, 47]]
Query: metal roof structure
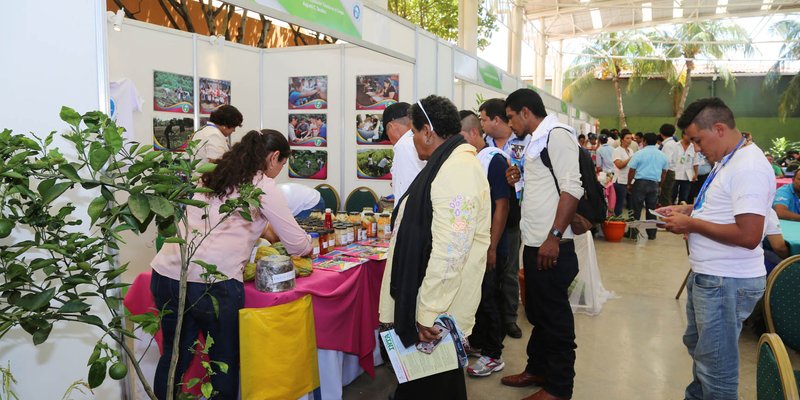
[[564, 19]]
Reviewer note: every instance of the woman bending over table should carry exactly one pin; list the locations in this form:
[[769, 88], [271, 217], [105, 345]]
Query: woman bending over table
[[257, 159], [437, 256]]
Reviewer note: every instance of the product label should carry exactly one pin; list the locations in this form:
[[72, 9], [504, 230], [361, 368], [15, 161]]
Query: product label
[[286, 276], [316, 250]]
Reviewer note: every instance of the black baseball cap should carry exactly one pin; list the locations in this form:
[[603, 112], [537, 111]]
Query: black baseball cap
[[393, 112]]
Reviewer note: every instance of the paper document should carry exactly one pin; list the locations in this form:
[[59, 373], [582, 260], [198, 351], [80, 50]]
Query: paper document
[[410, 364]]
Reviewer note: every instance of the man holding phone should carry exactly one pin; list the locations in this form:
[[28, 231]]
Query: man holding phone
[[724, 228]]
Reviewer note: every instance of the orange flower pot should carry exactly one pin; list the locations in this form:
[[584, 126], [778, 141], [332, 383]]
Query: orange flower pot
[[614, 230]]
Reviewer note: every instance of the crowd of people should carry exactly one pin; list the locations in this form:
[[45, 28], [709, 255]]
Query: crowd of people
[[474, 190]]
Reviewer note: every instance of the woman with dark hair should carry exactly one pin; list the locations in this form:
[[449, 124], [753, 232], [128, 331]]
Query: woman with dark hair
[[437, 255], [212, 305]]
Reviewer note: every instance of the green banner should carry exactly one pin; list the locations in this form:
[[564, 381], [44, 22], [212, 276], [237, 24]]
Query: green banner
[[564, 108], [489, 74], [342, 16]]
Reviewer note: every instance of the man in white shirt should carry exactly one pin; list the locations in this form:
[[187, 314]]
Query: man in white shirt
[[668, 147], [406, 164], [302, 200], [621, 157], [549, 257], [686, 163], [724, 227], [214, 136]]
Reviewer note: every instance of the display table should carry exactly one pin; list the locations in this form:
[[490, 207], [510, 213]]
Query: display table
[[791, 234], [782, 181], [345, 308]]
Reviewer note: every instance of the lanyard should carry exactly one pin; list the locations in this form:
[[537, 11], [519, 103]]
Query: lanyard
[[701, 197]]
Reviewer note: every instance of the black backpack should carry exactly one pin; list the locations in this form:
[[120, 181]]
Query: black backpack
[[592, 205]]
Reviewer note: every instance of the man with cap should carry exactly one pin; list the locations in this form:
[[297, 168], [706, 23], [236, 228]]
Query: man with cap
[[406, 164]]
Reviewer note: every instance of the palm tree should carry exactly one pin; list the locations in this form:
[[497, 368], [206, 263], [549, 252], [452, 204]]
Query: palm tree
[[707, 39], [789, 32], [607, 57]]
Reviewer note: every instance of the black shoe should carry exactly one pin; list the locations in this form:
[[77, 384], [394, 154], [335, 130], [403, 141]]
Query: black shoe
[[513, 330]]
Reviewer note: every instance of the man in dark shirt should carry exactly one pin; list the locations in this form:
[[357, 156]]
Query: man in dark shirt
[[488, 333]]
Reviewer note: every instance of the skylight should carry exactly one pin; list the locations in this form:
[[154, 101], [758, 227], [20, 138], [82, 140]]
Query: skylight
[[597, 20], [647, 12]]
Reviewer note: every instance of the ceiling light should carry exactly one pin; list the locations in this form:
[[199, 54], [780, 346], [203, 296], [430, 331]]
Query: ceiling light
[[597, 19], [722, 6], [117, 18], [647, 12], [585, 1], [677, 11]]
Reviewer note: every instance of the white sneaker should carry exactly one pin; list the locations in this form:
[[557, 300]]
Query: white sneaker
[[485, 366]]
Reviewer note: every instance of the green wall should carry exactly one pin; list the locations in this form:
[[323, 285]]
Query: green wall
[[648, 107]]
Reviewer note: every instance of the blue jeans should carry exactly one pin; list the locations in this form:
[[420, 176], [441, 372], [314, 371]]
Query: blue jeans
[[715, 310], [199, 317], [621, 191]]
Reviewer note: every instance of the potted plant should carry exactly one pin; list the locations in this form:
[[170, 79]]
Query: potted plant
[[614, 226], [56, 268]]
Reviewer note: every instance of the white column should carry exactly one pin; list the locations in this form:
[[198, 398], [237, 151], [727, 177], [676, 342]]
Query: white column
[[558, 71], [541, 54], [468, 25], [515, 41]]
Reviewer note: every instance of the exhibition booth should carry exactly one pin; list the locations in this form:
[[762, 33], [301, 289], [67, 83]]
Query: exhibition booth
[[162, 84]]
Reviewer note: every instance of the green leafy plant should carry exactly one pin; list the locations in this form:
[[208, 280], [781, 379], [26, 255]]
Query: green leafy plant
[[7, 380], [625, 216], [781, 145], [59, 268]]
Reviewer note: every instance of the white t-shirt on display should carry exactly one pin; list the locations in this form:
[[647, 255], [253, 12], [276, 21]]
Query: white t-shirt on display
[[124, 102], [621, 153], [406, 165], [745, 185]]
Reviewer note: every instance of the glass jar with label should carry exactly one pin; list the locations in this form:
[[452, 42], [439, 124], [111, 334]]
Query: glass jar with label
[[315, 245], [341, 235], [323, 241], [354, 217], [331, 239], [350, 234], [384, 226], [370, 224]]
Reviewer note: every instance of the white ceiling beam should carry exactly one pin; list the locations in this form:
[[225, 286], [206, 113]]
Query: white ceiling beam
[[626, 4]]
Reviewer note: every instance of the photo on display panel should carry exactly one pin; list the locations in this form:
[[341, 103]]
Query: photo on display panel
[[308, 164], [369, 129], [375, 164], [308, 93], [308, 130], [172, 133], [173, 92], [376, 92], [213, 94]]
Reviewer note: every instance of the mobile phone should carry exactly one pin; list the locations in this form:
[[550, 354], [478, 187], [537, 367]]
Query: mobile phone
[[428, 347], [657, 214]]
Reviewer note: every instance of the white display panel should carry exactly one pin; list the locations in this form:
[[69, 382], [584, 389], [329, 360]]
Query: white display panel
[[468, 99], [426, 68], [465, 66], [54, 57], [281, 64], [445, 74], [367, 62], [388, 33]]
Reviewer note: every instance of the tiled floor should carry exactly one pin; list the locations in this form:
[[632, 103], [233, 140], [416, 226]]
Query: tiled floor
[[631, 351]]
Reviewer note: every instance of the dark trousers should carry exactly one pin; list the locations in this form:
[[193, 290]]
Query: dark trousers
[[681, 191], [510, 296], [489, 331], [199, 317], [645, 193], [551, 348], [449, 385], [621, 190], [696, 185], [665, 198]]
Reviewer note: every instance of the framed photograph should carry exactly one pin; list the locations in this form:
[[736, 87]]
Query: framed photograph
[[369, 129], [308, 164], [376, 92], [173, 92], [375, 164], [308, 130], [308, 93], [172, 133], [213, 94]]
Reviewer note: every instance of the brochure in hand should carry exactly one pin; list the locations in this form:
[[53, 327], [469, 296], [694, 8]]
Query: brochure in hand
[[427, 359]]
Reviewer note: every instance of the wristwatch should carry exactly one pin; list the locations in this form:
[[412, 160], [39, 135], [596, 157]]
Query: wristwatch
[[557, 233]]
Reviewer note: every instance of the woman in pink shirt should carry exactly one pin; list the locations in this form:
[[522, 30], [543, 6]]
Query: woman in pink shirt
[[257, 159]]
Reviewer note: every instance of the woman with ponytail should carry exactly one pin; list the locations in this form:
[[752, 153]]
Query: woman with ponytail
[[257, 159]]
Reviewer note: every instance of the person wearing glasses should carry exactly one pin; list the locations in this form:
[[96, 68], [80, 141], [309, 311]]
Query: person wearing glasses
[[214, 136], [724, 227], [437, 254]]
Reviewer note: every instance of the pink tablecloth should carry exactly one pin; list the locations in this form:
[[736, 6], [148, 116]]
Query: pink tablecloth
[[782, 181], [345, 306]]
